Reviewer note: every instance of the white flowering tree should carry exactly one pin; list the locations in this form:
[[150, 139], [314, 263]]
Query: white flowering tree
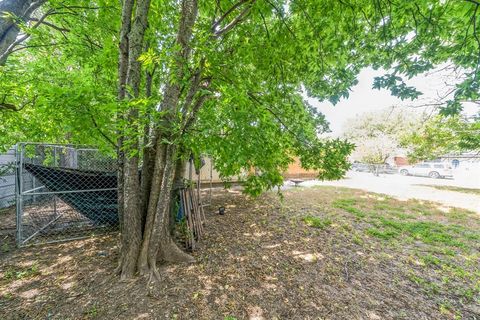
[[377, 135]]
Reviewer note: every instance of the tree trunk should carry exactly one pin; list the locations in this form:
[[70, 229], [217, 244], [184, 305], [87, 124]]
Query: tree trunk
[[149, 151], [131, 76], [157, 240], [151, 199], [159, 165], [9, 30], [126, 22], [178, 182], [132, 219]]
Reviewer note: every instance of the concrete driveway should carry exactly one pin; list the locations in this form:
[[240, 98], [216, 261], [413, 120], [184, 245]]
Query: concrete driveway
[[408, 187]]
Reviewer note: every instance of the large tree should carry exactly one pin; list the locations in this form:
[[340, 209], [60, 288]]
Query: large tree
[[378, 135], [160, 80]]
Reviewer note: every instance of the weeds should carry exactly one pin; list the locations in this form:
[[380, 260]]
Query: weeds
[[316, 222], [23, 273], [385, 235], [92, 312], [449, 241], [5, 247], [349, 206]]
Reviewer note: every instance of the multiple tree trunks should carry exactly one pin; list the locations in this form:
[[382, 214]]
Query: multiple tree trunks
[[194, 216], [147, 203]]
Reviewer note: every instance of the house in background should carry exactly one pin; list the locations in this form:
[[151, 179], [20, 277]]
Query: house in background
[[463, 160], [209, 174], [295, 171]]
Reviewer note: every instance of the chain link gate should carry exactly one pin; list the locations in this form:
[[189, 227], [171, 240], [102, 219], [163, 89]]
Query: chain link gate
[[63, 193]]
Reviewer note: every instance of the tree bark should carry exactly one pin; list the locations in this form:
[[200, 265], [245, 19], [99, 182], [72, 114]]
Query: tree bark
[[132, 213], [178, 182], [126, 21], [159, 165], [9, 29], [157, 240], [149, 150]]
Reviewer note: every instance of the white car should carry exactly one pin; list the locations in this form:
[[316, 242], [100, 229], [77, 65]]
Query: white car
[[433, 170]]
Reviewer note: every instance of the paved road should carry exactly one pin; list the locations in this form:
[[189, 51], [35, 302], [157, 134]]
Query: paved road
[[405, 188]]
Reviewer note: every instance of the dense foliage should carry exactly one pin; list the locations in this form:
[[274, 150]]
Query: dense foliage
[[440, 136], [64, 76], [61, 82]]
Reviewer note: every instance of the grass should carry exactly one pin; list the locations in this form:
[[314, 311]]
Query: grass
[[452, 188], [13, 273], [93, 312], [382, 234], [4, 211], [5, 247], [438, 250], [430, 260], [387, 220], [425, 231], [316, 222], [366, 246], [349, 206]]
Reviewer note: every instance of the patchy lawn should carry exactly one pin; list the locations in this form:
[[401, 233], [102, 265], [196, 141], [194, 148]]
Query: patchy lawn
[[318, 253], [452, 188]]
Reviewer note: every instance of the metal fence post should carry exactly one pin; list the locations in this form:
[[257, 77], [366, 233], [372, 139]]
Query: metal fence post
[[18, 191], [55, 197]]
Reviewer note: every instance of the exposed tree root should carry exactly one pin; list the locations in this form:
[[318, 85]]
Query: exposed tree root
[[154, 276], [172, 253]]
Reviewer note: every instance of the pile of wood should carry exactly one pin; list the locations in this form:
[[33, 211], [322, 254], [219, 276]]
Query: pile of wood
[[194, 215]]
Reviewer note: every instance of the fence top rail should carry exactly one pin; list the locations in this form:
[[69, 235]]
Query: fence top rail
[[59, 145]]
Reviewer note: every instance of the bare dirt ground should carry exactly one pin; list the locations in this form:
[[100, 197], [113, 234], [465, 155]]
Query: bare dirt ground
[[320, 253], [411, 187]]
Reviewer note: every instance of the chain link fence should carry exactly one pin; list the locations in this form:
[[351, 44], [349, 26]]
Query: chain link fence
[[64, 193], [7, 179]]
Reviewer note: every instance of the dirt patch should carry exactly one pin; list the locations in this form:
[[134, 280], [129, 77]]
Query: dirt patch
[[47, 220], [262, 260]]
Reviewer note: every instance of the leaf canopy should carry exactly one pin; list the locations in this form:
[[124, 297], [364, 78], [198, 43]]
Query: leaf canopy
[[64, 77]]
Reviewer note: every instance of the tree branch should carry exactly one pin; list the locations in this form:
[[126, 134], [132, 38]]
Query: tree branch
[[235, 21], [19, 40], [194, 87], [11, 107], [8, 106], [51, 25], [189, 121], [276, 116], [233, 8], [95, 124], [280, 15]]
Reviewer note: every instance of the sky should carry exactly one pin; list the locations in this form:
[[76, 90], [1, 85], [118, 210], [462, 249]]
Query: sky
[[364, 99]]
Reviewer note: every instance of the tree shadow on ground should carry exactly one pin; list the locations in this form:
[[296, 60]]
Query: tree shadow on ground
[[260, 261]]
